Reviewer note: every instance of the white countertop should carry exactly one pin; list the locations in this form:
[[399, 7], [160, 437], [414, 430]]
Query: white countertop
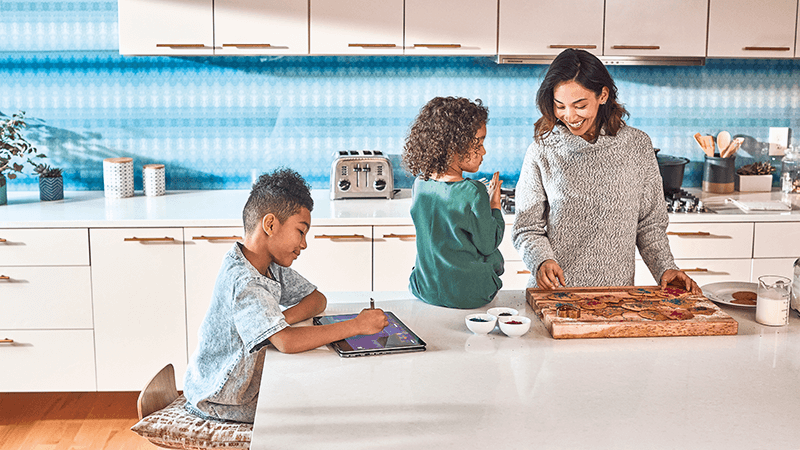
[[478, 392], [223, 208]]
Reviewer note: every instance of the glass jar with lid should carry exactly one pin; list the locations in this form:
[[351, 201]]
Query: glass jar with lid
[[790, 170]]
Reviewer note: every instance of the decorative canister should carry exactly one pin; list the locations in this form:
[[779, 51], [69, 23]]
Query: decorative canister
[[718, 174], [118, 177], [153, 180]]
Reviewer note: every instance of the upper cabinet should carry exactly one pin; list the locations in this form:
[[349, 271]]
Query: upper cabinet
[[655, 28], [543, 27], [356, 27], [451, 27], [172, 27], [748, 29], [259, 27]]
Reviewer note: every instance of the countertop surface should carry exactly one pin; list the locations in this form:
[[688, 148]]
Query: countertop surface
[[492, 391], [223, 208]]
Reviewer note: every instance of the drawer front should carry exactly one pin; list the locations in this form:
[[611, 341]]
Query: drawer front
[[773, 266], [702, 271], [45, 297], [711, 240], [507, 246], [395, 255], [337, 258], [516, 276], [46, 247], [203, 249], [777, 240], [47, 361]]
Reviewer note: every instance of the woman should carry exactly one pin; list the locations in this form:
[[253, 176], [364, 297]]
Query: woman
[[590, 191]]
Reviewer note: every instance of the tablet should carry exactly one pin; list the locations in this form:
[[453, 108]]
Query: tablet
[[395, 338]]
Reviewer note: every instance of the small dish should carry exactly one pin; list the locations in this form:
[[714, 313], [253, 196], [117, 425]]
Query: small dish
[[480, 323], [514, 326], [502, 311]]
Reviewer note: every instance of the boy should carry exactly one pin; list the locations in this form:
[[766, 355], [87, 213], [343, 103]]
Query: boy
[[224, 374]]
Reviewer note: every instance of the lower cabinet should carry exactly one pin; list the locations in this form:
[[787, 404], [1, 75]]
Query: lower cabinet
[[47, 360], [139, 305], [337, 258], [702, 271], [394, 255]]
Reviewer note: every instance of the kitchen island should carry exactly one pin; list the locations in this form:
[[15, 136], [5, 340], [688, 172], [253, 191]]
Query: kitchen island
[[471, 391]]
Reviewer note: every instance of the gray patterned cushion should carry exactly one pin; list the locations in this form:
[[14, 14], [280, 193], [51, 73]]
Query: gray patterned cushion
[[175, 427]]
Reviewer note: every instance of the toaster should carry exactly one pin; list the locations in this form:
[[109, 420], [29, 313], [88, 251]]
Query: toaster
[[361, 174]]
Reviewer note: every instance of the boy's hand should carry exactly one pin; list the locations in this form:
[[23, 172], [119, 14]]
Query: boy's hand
[[371, 321], [494, 191]]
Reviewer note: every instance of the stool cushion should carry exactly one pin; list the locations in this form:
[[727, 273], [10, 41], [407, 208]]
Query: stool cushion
[[175, 427]]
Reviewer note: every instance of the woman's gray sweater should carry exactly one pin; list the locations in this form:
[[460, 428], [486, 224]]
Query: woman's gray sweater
[[589, 205]]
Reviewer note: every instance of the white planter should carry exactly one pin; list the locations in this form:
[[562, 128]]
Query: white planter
[[753, 183]]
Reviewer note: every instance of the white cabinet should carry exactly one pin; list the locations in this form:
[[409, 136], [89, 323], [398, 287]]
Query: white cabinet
[[259, 27], [776, 246], [139, 305], [44, 247], [203, 252], [450, 27], [356, 27], [702, 271], [541, 27], [394, 255], [748, 29], [337, 258], [516, 274], [711, 240], [156, 27], [655, 28]]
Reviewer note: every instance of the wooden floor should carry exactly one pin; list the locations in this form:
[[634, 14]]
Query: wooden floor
[[69, 421]]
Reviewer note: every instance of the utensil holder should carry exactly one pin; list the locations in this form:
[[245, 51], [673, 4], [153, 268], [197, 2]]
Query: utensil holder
[[153, 180], [118, 177], [718, 174]]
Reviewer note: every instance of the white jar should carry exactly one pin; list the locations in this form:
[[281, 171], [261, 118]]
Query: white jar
[[118, 177], [153, 177]]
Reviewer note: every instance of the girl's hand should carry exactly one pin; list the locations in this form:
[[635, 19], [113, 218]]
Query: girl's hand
[[550, 275], [494, 191]]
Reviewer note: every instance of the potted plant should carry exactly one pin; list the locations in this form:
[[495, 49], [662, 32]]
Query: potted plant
[[756, 177], [15, 151], [51, 183]]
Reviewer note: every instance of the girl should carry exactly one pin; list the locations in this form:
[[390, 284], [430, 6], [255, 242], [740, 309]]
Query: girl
[[458, 222]]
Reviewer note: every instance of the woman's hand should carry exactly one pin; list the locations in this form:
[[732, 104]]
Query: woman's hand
[[679, 278], [494, 191], [550, 275]]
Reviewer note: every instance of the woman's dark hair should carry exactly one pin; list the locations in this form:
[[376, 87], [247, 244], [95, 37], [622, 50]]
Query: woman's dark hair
[[282, 193], [588, 71], [444, 130]]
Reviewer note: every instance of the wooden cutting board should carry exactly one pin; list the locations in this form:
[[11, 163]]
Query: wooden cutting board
[[628, 311]]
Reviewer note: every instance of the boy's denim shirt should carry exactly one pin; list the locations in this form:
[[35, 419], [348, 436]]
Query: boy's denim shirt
[[224, 373]]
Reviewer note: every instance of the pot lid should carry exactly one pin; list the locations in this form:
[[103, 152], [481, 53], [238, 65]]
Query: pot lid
[[669, 160]]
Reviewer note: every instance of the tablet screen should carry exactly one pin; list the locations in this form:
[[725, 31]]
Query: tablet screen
[[394, 335]]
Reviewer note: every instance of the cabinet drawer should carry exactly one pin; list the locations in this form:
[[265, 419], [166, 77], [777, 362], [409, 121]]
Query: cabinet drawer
[[773, 266], [337, 258], [711, 240], [61, 360], [395, 250], [777, 240], [702, 271], [45, 247], [516, 276], [45, 297]]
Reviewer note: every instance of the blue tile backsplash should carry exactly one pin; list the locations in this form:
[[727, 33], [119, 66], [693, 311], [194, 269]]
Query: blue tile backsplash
[[216, 122]]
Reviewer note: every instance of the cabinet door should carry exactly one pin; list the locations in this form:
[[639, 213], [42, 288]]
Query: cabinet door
[[261, 27], [356, 27], [448, 27], [702, 271], [155, 27], [777, 240], [541, 27], [203, 252], [395, 250], [45, 297], [48, 361], [337, 258], [773, 266], [44, 247], [656, 27], [711, 240], [748, 29], [139, 305]]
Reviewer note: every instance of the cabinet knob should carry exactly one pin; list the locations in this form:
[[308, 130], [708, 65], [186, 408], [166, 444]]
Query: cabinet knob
[[136, 239], [5, 278], [6, 341], [2, 240]]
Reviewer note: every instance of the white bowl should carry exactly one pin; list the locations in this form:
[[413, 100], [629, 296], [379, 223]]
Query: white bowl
[[514, 329], [501, 312], [478, 327]]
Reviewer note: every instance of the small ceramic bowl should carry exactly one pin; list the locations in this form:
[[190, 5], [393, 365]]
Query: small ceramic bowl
[[514, 326], [501, 312], [480, 323]]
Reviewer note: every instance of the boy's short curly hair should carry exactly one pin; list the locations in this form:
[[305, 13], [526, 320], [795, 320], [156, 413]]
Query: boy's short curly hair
[[282, 193], [443, 131]]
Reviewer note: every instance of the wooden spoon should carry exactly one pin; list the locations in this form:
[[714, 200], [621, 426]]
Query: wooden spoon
[[723, 141]]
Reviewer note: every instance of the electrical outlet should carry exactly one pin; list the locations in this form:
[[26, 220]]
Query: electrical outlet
[[778, 140]]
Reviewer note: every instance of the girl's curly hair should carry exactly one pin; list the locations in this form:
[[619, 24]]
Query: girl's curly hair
[[444, 130]]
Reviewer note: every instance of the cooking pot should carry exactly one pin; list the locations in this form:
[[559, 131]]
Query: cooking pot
[[671, 168]]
